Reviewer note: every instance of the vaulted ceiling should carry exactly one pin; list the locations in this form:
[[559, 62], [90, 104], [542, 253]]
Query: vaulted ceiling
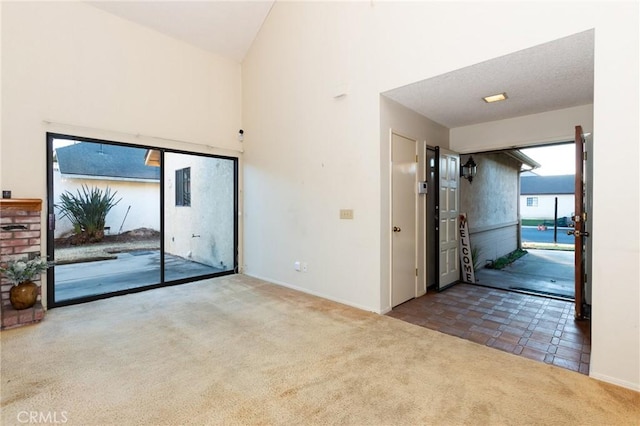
[[551, 76]]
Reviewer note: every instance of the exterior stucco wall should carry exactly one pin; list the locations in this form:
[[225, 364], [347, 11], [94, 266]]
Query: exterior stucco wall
[[494, 243], [491, 204], [203, 231]]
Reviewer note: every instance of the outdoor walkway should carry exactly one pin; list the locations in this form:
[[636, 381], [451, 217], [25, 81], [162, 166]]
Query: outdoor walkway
[[544, 272]]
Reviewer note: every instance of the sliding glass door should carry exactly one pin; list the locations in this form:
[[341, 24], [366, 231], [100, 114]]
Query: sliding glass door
[[126, 218]]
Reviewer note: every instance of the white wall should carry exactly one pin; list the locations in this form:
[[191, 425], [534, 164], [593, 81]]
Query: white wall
[[71, 63], [309, 154], [546, 206], [535, 129]]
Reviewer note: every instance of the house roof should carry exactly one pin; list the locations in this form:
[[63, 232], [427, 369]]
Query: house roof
[[541, 185], [88, 159]]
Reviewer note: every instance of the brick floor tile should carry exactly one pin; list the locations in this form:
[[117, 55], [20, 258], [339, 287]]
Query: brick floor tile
[[550, 325], [509, 337], [486, 330], [535, 327], [519, 323], [578, 338], [496, 319], [503, 345], [512, 330], [541, 336], [570, 365], [570, 344], [569, 354], [543, 347], [534, 354], [477, 337]]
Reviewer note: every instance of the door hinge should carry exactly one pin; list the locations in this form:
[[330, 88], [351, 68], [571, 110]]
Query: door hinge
[[584, 216], [416, 158], [585, 278], [585, 155], [416, 272]]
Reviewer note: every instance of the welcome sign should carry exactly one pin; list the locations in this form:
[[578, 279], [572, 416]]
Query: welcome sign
[[466, 259]]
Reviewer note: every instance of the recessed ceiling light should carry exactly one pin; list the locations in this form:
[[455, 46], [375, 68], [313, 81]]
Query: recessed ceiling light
[[495, 98]]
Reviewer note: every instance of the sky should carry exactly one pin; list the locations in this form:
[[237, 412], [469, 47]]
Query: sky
[[554, 160]]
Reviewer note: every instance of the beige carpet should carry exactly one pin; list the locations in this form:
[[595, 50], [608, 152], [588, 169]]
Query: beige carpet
[[240, 351]]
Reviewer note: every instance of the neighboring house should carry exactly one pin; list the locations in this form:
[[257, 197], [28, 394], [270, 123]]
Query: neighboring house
[[491, 202], [120, 168], [539, 193]]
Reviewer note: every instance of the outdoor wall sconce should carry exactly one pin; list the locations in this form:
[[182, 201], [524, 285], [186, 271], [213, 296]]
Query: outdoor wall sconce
[[469, 169]]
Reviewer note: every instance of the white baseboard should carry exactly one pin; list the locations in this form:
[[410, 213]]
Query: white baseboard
[[313, 293], [615, 381]]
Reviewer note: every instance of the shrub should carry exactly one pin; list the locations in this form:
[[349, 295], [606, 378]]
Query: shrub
[[504, 261], [87, 212]]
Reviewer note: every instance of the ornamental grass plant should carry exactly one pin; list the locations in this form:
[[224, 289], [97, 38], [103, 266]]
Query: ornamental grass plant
[[87, 211]]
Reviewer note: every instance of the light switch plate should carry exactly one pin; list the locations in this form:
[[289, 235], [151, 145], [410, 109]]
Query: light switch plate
[[346, 214]]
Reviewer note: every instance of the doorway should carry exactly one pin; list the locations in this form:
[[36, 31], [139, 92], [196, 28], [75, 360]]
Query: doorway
[[124, 218], [544, 262]]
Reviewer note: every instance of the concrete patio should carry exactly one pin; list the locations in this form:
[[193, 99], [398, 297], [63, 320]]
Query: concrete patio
[[543, 272], [127, 271]]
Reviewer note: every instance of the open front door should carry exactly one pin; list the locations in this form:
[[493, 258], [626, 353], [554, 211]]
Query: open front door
[[447, 211], [580, 232]]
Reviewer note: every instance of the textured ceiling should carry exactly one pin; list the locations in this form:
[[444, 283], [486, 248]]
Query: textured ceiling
[[226, 28], [551, 76]]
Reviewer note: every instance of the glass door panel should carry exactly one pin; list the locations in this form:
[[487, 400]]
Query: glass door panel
[[105, 199], [199, 216]]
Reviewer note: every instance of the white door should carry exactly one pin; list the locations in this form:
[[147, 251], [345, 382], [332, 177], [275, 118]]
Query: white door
[[404, 169], [448, 201]]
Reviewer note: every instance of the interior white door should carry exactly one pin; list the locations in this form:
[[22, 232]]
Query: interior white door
[[448, 176], [404, 169]]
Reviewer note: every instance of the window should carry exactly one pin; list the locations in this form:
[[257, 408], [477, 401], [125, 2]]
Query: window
[[532, 201], [183, 187]]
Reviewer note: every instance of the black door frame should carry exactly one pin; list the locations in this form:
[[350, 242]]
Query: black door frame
[[50, 223]]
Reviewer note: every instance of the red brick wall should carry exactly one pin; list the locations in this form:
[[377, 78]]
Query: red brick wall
[[20, 239]]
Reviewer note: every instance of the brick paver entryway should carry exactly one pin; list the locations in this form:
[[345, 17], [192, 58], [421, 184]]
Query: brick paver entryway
[[539, 328]]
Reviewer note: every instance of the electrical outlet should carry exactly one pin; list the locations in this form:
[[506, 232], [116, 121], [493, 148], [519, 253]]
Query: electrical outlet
[[346, 214]]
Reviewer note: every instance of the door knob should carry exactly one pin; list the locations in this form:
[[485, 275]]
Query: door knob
[[578, 233], [396, 229]]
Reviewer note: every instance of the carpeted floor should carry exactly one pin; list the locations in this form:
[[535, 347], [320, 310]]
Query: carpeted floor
[[236, 350]]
